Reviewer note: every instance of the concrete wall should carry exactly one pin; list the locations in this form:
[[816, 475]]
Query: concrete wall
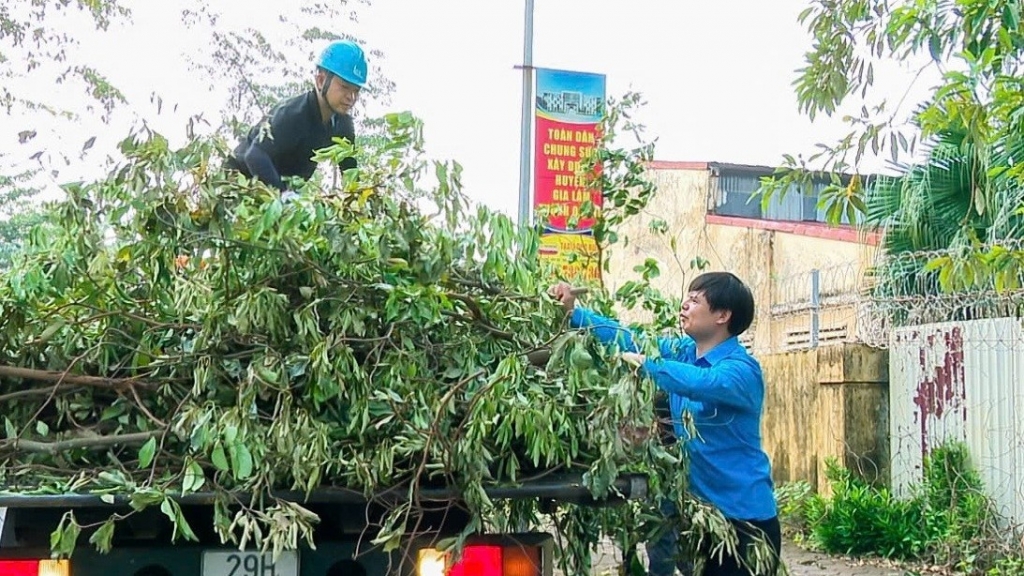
[[827, 402], [680, 201]]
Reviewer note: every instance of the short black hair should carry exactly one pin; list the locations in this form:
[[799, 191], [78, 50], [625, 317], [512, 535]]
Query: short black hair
[[724, 291]]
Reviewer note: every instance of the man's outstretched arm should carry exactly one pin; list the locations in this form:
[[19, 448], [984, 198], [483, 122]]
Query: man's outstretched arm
[[261, 166]]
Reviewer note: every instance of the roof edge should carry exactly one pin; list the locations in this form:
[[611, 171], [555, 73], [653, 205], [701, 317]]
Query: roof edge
[[677, 165]]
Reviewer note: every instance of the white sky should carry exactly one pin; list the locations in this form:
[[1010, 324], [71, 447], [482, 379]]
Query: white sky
[[717, 75]]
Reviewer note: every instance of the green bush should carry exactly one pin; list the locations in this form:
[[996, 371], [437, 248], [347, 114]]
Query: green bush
[[1007, 567], [861, 519], [793, 499], [955, 493], [947, 519]]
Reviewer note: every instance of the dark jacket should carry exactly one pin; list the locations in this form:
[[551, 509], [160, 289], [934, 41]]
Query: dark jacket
[[282, 144]]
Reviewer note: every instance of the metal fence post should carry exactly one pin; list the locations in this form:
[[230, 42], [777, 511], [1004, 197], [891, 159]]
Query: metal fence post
[[815, 305]]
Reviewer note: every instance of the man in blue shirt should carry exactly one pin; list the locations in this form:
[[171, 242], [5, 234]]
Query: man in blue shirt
[[708, 374]]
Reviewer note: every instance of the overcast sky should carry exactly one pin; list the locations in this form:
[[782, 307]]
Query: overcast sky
[[717, 75]]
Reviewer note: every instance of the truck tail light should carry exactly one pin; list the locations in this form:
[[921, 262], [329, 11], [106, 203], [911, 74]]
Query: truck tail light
[[35, 568], [482, 560]]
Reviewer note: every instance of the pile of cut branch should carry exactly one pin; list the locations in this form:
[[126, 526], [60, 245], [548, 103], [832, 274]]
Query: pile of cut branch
[[170, 330]]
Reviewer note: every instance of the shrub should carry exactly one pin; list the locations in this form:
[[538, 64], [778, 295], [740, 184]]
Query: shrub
[[947, 519]]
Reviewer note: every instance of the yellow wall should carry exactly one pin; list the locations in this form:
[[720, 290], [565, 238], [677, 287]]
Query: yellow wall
[[829, 402], [679, 201]]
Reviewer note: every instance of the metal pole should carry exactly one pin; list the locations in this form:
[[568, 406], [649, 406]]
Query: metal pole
[[525, 132]]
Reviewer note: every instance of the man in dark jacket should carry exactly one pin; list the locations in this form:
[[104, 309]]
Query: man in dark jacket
[[282, 145]]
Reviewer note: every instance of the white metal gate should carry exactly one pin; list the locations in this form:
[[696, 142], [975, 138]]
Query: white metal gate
[[961, 381]]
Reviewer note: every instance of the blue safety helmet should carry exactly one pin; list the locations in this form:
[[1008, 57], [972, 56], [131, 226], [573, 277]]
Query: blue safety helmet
[[344, 59]]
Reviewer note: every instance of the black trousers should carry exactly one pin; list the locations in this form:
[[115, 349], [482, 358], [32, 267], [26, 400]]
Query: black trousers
[[662, 551], [749, 533]]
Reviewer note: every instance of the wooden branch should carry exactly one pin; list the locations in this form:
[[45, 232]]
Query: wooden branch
[[93, 442], [64, 378], [35, 392], [474, 308], [480, 318], [476, 284], [482, 324], [101, 314]]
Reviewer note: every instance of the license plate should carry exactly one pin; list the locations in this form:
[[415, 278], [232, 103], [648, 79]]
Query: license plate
[[234, 563]]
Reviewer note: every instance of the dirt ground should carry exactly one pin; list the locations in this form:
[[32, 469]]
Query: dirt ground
[[799, 562]]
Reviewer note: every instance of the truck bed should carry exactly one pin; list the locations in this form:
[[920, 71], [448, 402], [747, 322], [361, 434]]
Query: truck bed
[[143, 544]]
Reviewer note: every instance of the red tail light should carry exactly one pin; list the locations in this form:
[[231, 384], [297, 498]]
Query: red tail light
[[19, 567], [483, 560], [479, 561], [35, 568]]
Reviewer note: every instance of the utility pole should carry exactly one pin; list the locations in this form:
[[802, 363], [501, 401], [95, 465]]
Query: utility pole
[[525, 132]]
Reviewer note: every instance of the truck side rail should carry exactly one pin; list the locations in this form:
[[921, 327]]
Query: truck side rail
[[558, 488]]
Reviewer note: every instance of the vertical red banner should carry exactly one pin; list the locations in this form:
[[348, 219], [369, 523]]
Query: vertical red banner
[[569, 109]]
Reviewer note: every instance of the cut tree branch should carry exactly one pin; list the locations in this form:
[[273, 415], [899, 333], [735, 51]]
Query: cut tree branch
[[35, 392], [482, 324], [91, 442], [66, 379]]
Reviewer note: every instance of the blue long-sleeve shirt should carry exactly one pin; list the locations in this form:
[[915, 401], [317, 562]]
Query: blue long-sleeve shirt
[[724, 392]]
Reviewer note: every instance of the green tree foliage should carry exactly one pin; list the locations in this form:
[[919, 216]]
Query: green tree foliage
[[47, 86], [977, 45], [930, 221], [37, 62], [38, 37], [17, 214], [217, 337]]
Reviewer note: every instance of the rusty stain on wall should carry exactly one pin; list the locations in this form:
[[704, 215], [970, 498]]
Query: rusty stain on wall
[[959, 381], [941, 392]]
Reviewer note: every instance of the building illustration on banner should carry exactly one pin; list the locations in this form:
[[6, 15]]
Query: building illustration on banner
[[574, 97], [570, 103]]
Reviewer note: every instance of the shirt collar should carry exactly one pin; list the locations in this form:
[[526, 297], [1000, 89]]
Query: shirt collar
[[722, 350]]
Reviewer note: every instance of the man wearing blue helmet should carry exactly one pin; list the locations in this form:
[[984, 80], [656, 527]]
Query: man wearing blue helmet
[[283, 143]]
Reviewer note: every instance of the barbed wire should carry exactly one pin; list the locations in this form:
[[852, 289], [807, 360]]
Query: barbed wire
[[956, 352], [843, 282], [867, 301]]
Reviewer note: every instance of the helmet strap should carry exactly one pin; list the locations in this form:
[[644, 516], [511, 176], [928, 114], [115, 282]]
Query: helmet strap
[[327, 83]]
